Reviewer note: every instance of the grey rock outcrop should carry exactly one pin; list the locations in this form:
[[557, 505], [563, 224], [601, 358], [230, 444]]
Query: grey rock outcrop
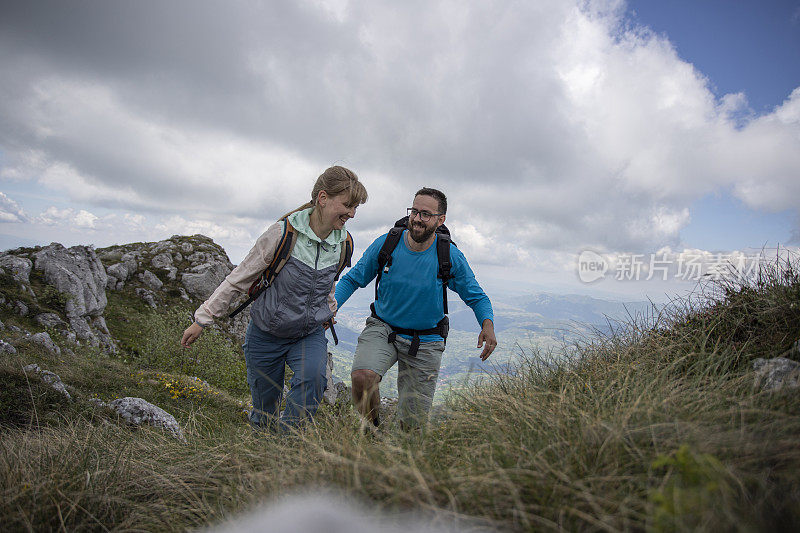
[[238, 325], [94, 332], [82, 330], [338, 393], [776, 374], [162, 261], [48, 377], [388, 403], [335, 390], [161, 246], [7, 348], [78, 272], [119, 271], [137, 411], [43, 340], [131, 261], [122, 271], [150, 280], [200, 257], [201, 281], [103, 335], [113, 284], [20, 308], [147, 296], [18, 267], [50, 320]]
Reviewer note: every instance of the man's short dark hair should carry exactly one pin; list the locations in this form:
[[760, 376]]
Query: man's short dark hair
[[437, 194]]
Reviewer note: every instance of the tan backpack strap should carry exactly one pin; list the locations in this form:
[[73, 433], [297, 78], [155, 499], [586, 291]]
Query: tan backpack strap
[[345, 256], [282, 252]]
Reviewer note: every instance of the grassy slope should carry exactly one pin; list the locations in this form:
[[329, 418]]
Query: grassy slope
[[656, 427]]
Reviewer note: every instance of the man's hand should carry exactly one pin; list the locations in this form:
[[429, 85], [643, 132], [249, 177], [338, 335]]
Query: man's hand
[[191, 334], [487, 336]]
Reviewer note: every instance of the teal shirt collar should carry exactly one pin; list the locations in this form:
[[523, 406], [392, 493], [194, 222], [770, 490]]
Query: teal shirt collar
[[300, 221]]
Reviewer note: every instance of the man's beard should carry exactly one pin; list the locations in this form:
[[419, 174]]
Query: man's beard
[[424, 236]]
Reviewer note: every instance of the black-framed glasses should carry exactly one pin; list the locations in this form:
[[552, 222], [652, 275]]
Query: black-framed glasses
[[424, 215]]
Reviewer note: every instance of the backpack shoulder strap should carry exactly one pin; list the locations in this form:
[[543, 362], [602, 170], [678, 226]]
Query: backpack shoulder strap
[[346, 255], [385, 254], [443, 255], [282, 252]]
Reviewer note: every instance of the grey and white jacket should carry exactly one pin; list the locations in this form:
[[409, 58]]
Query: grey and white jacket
[[301, 298]]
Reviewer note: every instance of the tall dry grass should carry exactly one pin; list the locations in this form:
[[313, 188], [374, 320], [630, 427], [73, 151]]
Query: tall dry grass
[[657, 426]]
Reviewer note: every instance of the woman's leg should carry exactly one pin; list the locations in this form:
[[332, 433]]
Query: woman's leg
[[265, 357], [307, 358]]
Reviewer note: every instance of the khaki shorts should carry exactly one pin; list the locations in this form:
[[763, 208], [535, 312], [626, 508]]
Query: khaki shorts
[[416, 376]]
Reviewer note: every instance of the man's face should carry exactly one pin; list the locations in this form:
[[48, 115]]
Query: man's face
[[421, 230]]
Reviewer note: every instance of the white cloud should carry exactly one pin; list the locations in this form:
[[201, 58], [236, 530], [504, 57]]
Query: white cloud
[[84, 219], [10, 211], [233, 232], [552, 128], [74, 219], [133, 220], [53, 216]]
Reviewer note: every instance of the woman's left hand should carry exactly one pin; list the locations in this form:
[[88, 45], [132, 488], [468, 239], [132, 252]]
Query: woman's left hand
[[191, 334]]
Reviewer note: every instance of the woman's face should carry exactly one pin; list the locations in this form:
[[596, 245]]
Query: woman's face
[[336, 212]]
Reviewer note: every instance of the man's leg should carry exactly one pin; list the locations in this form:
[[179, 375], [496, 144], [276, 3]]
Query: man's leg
[[366, 397], [374, 356], [307, 358], [265, 359], [416, 381]]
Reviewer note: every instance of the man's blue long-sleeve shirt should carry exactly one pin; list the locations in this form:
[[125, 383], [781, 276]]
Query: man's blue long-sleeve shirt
[[410, 293]]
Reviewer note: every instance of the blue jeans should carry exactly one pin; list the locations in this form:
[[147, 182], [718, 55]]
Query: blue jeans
[[266, 356]]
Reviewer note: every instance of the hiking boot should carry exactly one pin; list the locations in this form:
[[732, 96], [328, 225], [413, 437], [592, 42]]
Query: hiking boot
[[370, 427]]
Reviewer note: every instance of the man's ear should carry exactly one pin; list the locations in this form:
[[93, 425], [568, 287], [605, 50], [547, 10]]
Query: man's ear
[[441, 220]]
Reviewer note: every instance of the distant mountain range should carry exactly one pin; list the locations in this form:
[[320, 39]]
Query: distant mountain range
[[534, 312], [523, 322]]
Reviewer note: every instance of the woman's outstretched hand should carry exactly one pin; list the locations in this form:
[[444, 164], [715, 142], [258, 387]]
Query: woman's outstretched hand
[[191, 334]]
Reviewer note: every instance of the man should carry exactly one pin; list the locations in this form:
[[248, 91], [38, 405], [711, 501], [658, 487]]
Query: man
[[405, 326]]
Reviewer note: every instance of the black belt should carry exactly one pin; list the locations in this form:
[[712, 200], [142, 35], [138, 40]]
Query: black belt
[[441, 329]]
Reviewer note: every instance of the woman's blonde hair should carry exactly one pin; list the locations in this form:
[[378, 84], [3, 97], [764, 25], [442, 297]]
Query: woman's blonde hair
[[334, 181]]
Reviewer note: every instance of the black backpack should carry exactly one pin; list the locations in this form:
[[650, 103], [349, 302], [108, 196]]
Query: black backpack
[[442, 253], [443, 241]]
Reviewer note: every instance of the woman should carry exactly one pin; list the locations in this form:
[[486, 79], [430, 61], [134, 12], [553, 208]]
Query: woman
[[286, 320]]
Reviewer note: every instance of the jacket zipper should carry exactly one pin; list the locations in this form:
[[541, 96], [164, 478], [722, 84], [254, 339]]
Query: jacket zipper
[[313, 286]]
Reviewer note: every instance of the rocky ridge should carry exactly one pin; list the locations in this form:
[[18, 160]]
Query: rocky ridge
[[58, 296], [65, 289]]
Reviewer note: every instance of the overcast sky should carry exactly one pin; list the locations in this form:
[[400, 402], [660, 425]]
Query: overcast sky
[[553, 126]]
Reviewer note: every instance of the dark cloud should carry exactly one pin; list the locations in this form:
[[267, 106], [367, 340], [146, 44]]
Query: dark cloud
[[547, 117]]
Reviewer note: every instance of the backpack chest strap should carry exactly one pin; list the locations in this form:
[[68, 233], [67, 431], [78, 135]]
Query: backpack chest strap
[[441, 329]]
